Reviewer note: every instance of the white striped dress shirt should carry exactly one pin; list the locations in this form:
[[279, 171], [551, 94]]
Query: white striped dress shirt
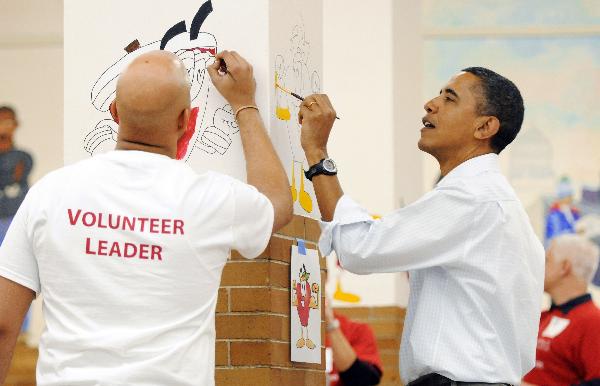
[[476, 273]]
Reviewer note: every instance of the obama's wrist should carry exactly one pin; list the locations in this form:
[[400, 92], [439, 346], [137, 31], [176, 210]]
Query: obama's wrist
[[315, 155]]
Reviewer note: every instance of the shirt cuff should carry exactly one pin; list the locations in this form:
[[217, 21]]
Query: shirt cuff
[[347, 211]]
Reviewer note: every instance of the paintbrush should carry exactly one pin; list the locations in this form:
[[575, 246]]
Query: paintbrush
[[290, 92]]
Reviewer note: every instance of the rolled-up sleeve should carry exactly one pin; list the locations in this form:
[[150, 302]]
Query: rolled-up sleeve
[[347, 211], [424, 234]]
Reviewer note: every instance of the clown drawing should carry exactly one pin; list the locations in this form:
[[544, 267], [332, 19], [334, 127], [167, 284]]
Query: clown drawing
[[196, 49], [305, 297]]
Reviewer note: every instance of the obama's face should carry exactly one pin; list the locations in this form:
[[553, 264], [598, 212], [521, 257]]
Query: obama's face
[[452, 117]]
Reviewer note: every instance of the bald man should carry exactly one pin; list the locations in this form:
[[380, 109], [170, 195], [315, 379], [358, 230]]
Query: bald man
[[128, 247]]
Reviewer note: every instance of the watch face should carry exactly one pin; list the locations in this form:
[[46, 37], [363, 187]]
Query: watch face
[[329, 165]]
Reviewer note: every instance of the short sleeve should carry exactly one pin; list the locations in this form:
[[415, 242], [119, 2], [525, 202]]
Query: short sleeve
[[17, 259], [252, 220]]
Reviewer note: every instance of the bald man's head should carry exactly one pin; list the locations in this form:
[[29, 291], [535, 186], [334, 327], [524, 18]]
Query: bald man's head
[[153, 94]]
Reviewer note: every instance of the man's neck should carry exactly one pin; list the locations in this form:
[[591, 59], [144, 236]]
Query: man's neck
[[447, 164], [123, 144], [567, 290]]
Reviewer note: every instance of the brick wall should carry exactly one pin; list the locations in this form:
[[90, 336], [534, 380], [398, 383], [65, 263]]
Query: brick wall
[[387, 324], [253, 316]]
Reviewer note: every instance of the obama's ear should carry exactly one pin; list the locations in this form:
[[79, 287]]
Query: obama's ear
[[486, 127]]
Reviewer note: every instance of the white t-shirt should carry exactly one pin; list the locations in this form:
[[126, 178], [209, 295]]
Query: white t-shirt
[[127, 249]]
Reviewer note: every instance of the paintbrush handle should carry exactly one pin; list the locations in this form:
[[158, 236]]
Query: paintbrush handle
[[300, 98], [296, 96]]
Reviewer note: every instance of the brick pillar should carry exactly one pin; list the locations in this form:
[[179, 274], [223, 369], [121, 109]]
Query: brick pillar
[[253, 316]]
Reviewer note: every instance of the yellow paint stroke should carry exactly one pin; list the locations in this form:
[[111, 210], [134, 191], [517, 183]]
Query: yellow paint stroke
[[283, 113], [293, 185], [344, 296], [305, 200]]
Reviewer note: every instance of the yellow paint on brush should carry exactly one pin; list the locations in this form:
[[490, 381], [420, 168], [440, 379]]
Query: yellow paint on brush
[[277, 85], [283, 113]]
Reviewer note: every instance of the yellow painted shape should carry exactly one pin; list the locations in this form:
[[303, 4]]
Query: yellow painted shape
[[293, 186], [283, 113], [305, 200], [344, 296]]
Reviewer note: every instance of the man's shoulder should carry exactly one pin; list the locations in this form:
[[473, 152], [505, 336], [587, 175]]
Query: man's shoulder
[[589, 313], [354, 328], [491, 186], [56, 176]]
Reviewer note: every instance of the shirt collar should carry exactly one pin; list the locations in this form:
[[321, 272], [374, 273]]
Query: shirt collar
[[133, 155], [571, 304], [473, 167]]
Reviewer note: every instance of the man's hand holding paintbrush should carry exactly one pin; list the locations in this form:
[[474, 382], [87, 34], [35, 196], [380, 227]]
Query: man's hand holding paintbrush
[[290, 92], [233, 77]]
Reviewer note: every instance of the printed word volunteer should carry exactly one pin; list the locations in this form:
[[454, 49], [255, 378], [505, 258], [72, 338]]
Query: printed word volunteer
[[125, 223]]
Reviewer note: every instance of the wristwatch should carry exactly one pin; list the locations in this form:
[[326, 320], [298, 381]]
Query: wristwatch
[[325, 166]]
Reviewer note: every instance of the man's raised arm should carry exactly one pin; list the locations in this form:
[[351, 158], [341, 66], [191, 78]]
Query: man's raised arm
[[263, 166]]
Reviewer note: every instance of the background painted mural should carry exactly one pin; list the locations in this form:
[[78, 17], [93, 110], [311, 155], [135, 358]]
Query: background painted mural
[[550, 50]]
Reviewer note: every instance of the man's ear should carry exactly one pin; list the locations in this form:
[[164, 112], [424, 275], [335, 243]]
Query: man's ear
[[113, 111], [183, 121], [566, 267], [486, 127]]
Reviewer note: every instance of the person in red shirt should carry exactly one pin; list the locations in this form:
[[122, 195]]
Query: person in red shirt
[[568, 347], [354, 355]]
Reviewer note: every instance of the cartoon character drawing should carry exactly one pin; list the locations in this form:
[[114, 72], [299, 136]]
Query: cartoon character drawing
[[196, 50], [294, 76], [305, 297]]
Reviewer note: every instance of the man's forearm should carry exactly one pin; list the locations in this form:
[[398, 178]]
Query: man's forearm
[[7, 347], [263, 167], [343, 353], [327, 188]]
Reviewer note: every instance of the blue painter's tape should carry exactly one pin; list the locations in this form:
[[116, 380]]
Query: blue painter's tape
[[301, 247]]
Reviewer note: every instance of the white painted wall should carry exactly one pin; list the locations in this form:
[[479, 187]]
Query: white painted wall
[[372, 73], [357, 71]]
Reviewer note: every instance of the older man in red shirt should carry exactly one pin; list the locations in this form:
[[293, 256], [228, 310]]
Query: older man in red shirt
[[354, 355], [568, 348]]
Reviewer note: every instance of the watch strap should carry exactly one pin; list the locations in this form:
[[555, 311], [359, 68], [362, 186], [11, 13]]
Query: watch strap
[[316, 170]]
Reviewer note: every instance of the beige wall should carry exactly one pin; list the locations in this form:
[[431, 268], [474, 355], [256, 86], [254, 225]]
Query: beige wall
[[32, 82], [32, 77]]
